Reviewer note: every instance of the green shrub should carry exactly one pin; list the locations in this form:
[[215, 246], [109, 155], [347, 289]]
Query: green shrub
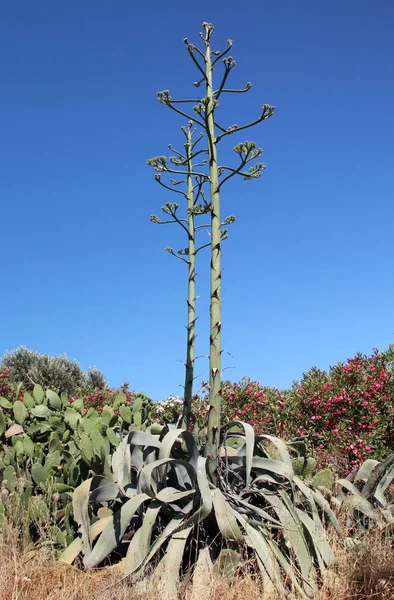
[[30, 368]]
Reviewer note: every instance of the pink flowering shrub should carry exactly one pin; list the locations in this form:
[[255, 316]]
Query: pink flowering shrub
[[348, 412], [263, 407]]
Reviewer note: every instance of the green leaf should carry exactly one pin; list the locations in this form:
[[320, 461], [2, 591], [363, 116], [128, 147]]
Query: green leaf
[[2, 423], [113, 438], [86, 448], [125, 413], [28, 400], [97, 443], [107, 415], [54, 400], [64, 398], [72, 417], [137, 419], [137, 404], [39, 474], [38, 393], [9, 477], [41, 411], [20, 412], [119, 399], [78, 405], [4, 403], [28, 446], [323, 478]]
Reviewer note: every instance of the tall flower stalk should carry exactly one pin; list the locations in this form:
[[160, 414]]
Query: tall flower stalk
[[216, 175], [182, 165]]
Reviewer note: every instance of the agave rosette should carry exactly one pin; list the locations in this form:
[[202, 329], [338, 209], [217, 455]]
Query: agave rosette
[[160, 505]]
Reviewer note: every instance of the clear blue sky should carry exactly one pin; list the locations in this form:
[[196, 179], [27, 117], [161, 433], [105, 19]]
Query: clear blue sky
[[308, 267]]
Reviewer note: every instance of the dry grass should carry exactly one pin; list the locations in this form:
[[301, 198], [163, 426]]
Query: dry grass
[[366, 573]]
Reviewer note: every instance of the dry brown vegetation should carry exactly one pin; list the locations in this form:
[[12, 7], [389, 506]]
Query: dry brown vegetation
[[366, 573]]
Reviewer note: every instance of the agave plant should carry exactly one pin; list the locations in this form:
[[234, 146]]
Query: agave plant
[[364, 495], [160, 505]]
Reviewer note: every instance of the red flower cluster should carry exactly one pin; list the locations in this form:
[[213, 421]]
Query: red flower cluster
[[100, 398], [7, 389]]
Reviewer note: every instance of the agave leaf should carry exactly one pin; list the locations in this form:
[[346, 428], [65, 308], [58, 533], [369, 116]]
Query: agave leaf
[[71, 552], [169, 495], [277, 467], [227, 563], [121, 464], [202, 575], [174, 527], [288, 569], [225, 517], [103, 489], [376, 476], [263, 479], [281, 447], [321, 546], [365, 470], [268, 566], [179, 522], [256, 510], [293, 533], [206, 499], [347, 485], [141, 438], [360, 504], [169, 440], [140, 542], [170, 564], [382, 487], [249, 444], [114, 531], [151, 474], [81, 513], [325, 506]]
